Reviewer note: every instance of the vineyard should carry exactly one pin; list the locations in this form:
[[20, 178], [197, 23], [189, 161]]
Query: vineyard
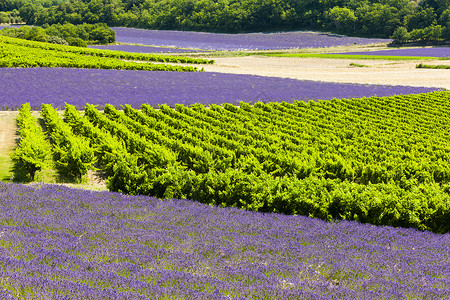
[[380, 160], [25, 54]]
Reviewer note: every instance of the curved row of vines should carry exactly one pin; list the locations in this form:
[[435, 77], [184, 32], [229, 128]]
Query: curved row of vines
[[17, 53]]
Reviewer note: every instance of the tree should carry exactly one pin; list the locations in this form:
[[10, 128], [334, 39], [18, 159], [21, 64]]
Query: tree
[[342, 17], [400, 35], [35, 34], [28, 12]]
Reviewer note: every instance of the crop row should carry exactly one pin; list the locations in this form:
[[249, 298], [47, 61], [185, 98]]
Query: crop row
[[377, 160], [104, 53], [24, 56], [32, 150], [99, 87]]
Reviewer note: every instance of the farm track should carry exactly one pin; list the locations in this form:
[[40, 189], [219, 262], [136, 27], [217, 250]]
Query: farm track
[[336, 70], [8, 138]]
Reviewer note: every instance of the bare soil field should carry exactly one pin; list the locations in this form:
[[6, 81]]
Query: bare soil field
[[337, 70]]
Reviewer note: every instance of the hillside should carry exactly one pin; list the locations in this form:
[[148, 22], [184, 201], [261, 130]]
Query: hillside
[[424, 21]]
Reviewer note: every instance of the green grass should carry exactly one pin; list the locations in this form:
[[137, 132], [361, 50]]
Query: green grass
[[6, 166], [358, 65], [353, 56], [422, 66]]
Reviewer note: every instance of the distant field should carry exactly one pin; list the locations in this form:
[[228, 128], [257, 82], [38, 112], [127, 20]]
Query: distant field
[[245, 41], [381, 72]]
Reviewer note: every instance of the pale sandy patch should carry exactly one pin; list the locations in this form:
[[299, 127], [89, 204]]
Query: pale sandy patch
[[8, 140], [336, 70], [8, 130]]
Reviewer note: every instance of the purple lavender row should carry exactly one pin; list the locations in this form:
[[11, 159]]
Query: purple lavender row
[[425, 52], [142, 49], [56, 86], [246, 41], [64, 243]]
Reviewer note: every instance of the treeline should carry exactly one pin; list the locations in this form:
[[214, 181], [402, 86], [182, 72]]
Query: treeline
[[9, 9], [426, 20], [67, 34], [10, 17]]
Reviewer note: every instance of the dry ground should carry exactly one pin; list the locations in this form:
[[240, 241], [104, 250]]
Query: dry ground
[[337, 70], [8, 138]]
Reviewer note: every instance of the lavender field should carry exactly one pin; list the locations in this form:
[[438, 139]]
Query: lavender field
[[142, 49], [63, 243], [80, 86], [246, 41], [425, 52]]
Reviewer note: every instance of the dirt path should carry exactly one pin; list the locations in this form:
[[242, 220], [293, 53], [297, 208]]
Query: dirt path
[[336, 70], [8, 139]]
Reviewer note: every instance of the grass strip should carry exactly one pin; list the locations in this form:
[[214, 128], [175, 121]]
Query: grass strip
[[358, 65], [354, 56], [422, 66]]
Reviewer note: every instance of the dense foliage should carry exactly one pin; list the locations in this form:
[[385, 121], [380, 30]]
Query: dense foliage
[[67, 34], [427, 20], [32, 150], [10, 17], [25, 54], [63, 243], [72, 154], [377, 160]]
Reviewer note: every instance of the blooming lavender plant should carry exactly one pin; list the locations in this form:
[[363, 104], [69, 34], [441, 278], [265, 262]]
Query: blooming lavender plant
[[63, 243], [245, 41], [425, 52], [80, 86]]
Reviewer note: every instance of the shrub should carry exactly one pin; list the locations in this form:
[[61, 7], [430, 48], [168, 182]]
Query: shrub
[[57, 40]]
